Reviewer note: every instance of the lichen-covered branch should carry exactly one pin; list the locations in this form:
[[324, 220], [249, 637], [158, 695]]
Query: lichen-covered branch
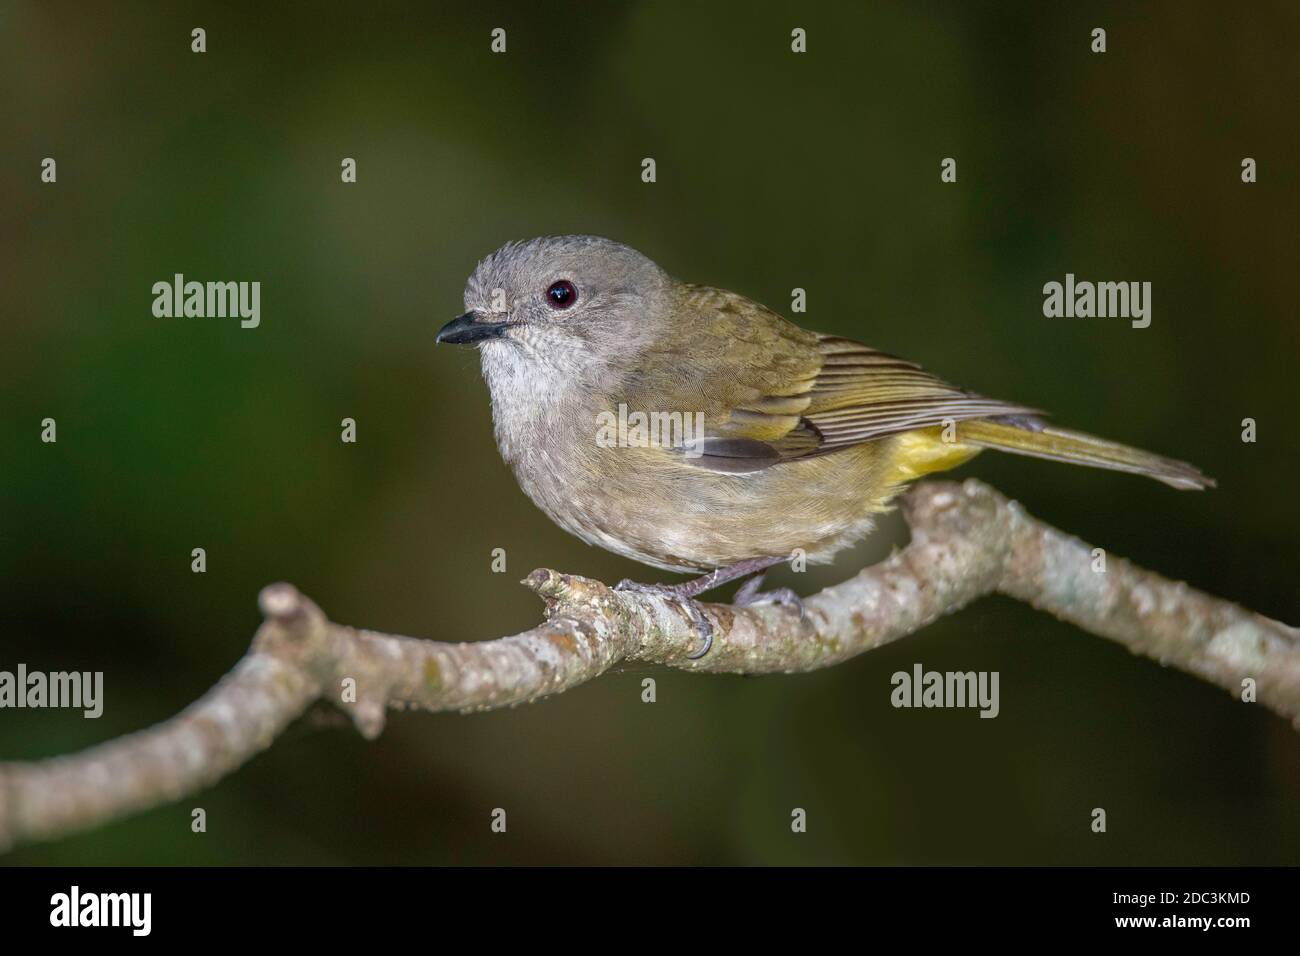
[[967, 541]]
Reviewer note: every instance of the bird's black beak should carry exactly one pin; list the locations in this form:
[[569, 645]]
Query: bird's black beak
[[463, 330]]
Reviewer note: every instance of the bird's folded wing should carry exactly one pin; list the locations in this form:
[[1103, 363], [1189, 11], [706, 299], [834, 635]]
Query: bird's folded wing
[[772, 392], [860, 394]]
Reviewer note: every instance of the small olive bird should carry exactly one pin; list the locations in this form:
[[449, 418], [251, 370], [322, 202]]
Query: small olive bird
[[803, 438]]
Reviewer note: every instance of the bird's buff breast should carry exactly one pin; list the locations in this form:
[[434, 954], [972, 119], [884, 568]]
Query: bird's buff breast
[[653, 505]]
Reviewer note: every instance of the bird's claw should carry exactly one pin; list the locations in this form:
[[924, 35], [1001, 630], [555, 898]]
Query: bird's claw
[[785, 597], [689, 604]]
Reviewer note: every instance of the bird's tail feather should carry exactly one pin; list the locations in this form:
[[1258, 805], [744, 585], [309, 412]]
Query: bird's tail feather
[[1058, 444]]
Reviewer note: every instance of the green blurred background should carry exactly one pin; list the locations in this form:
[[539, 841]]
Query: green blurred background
[[775, 170]]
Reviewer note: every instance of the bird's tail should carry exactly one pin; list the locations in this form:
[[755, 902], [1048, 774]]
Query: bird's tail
[[1041, 441]]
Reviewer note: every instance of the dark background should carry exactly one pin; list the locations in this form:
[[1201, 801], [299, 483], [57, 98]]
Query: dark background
[[775, 170]]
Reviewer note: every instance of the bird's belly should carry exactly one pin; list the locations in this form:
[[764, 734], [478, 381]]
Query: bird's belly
[[646, 505]]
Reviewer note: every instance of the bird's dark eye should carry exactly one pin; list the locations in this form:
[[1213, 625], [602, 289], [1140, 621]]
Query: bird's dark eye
[[561, 294]]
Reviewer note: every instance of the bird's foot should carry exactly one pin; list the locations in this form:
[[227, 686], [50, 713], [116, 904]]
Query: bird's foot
[[682, 596], [749, 595]]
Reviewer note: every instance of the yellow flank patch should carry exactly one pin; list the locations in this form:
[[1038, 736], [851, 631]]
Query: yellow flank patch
[[924, 451]]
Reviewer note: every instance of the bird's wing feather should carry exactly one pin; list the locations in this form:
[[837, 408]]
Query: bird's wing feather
[[784, 393], [861, 394]]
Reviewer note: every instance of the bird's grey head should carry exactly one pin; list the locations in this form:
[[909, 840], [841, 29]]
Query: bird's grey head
[[562, 303]]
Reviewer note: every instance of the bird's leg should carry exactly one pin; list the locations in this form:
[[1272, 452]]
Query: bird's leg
[[686, 592]]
